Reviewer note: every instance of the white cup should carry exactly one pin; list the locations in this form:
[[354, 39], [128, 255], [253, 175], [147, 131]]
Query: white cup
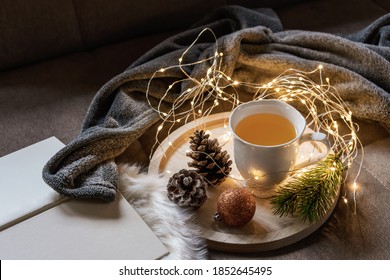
[[266, 166]]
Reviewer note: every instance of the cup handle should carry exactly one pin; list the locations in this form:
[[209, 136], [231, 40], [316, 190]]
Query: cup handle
[[318, 137]]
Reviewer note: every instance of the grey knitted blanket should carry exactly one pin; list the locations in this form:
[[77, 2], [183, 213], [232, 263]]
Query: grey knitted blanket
[[256, 49]]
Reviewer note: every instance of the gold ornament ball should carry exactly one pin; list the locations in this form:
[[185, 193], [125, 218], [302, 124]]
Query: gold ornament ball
[[236, 207]]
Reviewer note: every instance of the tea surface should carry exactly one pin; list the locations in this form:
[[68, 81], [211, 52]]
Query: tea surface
[[265, 129]]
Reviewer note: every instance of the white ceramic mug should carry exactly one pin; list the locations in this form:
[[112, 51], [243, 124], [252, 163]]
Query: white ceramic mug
[[266, 166]]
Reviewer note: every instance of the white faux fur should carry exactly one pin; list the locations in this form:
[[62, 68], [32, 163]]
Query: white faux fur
[[174, 225]]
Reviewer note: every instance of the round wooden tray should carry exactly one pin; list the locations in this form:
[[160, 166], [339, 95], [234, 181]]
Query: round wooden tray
[[265, 231]]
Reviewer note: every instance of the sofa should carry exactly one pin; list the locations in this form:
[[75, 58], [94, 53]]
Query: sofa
[[55, 56]]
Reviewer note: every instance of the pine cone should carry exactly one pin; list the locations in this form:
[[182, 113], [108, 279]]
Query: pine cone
[[208, 159], [187, 189]]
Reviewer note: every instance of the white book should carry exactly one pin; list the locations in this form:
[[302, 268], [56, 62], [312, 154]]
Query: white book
[[23, 191], [83, 230], [37, 223]]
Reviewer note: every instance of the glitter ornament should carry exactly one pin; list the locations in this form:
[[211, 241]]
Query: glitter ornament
[[235, 207]]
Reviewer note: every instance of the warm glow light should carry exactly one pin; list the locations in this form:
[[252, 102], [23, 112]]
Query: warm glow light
[[319, 102]]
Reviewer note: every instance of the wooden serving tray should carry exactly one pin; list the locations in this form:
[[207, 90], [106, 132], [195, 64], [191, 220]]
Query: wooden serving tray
[[265, 231]]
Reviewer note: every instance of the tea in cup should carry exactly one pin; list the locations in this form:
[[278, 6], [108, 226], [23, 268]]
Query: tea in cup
[[267, 135]]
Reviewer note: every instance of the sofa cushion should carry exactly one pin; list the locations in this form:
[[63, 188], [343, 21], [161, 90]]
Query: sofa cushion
[[34, 30], [103, 22], [31, 31]]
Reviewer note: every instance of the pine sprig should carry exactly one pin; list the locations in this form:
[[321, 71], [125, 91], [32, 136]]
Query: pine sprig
[[310, 194]]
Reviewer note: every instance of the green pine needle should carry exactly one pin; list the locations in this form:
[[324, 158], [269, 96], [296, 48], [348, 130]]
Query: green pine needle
[[312, 194]]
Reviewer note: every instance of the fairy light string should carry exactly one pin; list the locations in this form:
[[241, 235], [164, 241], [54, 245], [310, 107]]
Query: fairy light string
[[325, 110]]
